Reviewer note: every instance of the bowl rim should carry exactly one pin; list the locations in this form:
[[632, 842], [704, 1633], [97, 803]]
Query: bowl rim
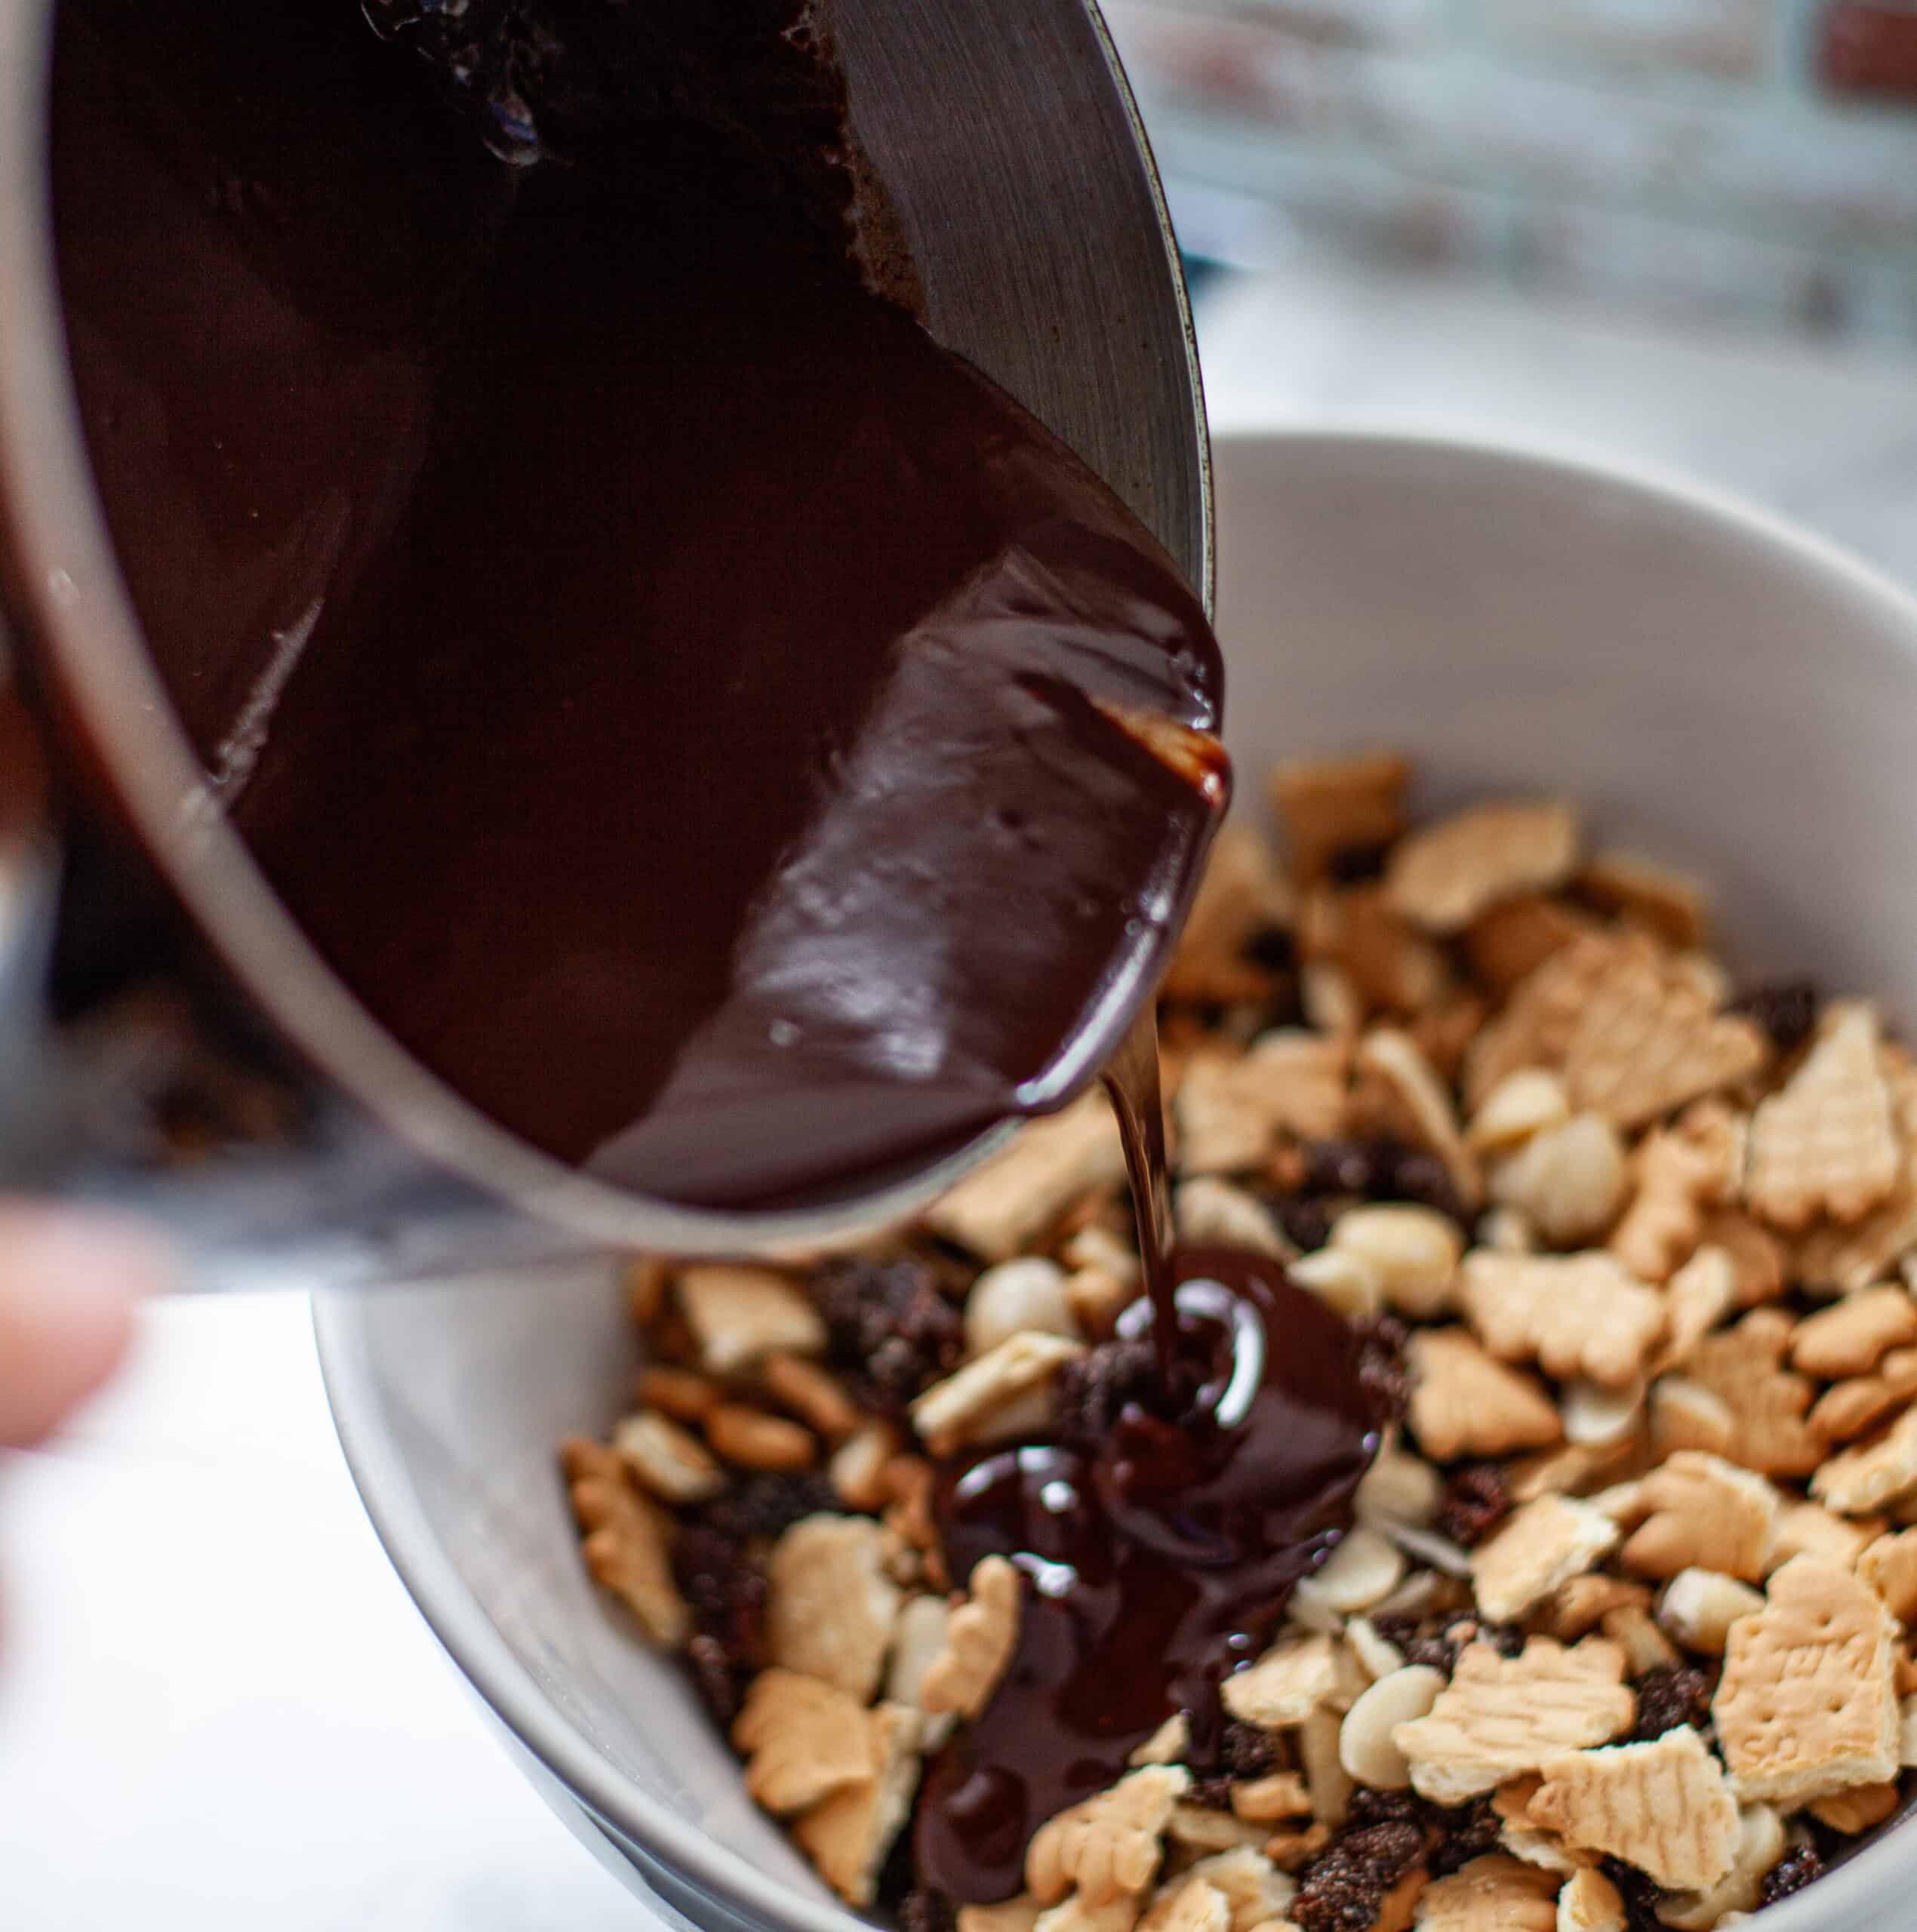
[[1867, 1880]]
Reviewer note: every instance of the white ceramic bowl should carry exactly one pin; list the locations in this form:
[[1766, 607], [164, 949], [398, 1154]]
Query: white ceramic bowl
[[1717, 688]]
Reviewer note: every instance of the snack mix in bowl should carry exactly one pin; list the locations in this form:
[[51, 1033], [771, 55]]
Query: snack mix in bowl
[[1618, 1637]]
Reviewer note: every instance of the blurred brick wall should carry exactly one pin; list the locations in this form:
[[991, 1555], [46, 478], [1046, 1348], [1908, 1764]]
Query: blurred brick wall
[[1753, 160]]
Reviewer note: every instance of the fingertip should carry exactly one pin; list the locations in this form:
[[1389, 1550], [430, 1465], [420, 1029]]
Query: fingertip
[[70, 1283]]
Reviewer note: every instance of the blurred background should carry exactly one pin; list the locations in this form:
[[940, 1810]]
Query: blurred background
[[1680, 231]]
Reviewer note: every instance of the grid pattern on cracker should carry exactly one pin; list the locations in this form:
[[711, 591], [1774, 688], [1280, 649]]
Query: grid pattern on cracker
[[1500, 1717], [1808, 1705], [1825, 1143]]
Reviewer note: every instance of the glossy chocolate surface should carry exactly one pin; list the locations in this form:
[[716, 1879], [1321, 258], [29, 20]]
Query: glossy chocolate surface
[[704, 722]]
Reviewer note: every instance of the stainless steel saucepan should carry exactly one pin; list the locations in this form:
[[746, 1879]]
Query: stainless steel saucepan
[[1008, 141]]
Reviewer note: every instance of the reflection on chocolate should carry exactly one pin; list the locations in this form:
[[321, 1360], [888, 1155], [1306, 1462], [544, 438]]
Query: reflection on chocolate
[[1155, 1562], [680, 699]]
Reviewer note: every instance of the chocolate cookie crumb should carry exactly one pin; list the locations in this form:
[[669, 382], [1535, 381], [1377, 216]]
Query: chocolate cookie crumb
[[1465, 1832], [1343, 1890], [767, 1506], [1639, 1894], [1668, 1696], [1306, 1219], [1791, 1873], [1089, 1395], [1382, 1372], [925, 1911], [1475, 1501], [889, 1329], [1786, 1009]]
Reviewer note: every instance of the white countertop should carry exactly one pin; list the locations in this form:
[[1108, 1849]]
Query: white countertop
[[218, 1710]]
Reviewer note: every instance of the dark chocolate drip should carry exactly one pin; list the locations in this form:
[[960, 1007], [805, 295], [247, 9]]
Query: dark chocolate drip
[[696, 704], [1156, 1561], [1133, 1084]]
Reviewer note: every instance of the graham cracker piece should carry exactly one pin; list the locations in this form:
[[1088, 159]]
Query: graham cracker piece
[[1807, 1529], [1677, 1180], [666, 1461], [1445, 1029], [1443, 876], [1494, 1894], [1500, 1717], [1543, 1544], [1862, 1808], [813, 1394], [1808, 1705], [1255, 1890], [1825, 1143], [1590, 1902], [1852, 1407], [1889, 1565], [1510, 943], [979, 1639], [1393, 966], [1119, 1913], [1852, 1336], [1744, 1367], [1685, 1415], [1880, 1471], [1671, 906], [1544, 1012], [1581, 1604], [969, 1405], [738, 1315], [1187, 1905], [831, 1604], [1230, 1112], [1648, 1041], [627, 1545], [1578, 1314], [1015, 1915], [802, 1741], [1578, 1469], [1421, 1105], [1297, 1676], [1757, 1256], [1241, 893], [1700, 1512], [1845, 1259], [1000, 1209], [1463, 1403], [848, 1835], [1198, 1827], [1664, 1807], [1278, 1794], [1330, 805], [1109, 1844], [1696, 1298], [1760, 1844]]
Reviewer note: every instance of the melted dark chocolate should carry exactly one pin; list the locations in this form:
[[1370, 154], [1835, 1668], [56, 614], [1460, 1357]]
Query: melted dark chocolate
[[1154, 1563], [708, 724]]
